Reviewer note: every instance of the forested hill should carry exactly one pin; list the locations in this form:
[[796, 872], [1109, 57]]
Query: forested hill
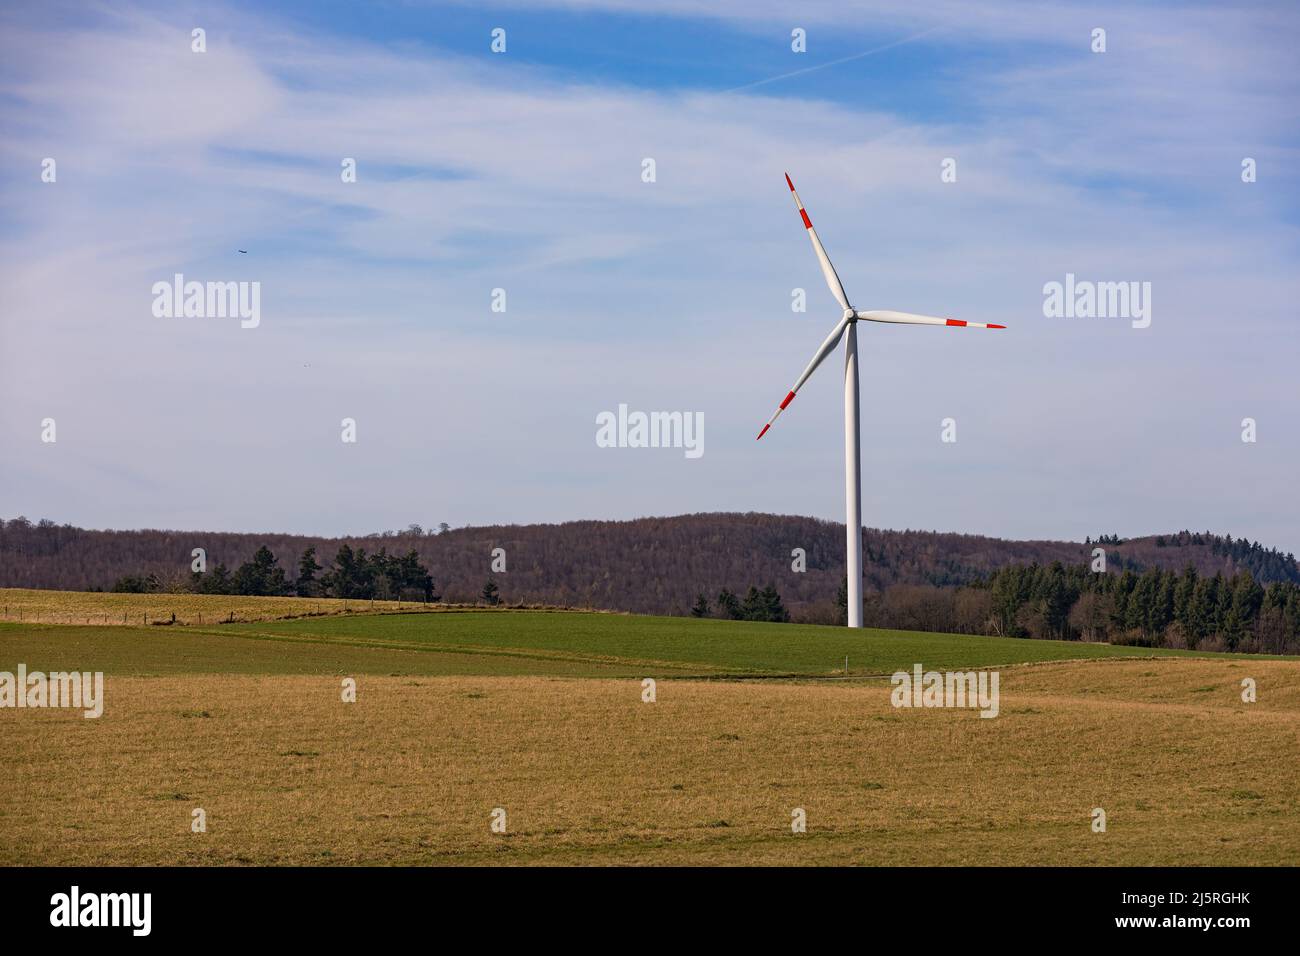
[[652, 565]]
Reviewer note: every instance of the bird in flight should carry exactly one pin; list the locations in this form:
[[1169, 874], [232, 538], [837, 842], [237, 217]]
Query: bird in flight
[[244, 251]]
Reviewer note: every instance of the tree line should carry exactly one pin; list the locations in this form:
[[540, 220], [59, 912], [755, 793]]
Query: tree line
[[1156, 608], [757, 605], [1153, 608], [1266, 564], [354, 574], [921, 580]]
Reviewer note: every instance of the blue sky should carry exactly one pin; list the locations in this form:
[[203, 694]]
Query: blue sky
[[522, 171]]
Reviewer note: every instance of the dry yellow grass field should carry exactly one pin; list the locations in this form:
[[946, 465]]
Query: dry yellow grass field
[[31, 605], [101, 607], [708, 774]]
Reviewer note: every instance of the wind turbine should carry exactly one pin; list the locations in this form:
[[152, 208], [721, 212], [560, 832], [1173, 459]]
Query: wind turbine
[[852, 452]]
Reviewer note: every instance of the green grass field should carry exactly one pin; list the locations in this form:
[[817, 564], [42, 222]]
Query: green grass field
[[527, 642], [541, 713], [685, 644]]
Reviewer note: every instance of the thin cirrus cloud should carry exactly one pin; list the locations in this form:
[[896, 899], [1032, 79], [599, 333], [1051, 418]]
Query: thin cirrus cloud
[[479, 172]]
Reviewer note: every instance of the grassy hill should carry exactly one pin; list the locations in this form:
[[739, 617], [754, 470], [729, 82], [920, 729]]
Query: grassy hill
[[686, 645], [525, 643]]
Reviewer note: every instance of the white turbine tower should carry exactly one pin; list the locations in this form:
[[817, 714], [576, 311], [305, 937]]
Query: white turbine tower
[[852, 454]]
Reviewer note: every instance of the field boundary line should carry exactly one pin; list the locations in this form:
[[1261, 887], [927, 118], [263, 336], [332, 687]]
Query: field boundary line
[[443, 648]]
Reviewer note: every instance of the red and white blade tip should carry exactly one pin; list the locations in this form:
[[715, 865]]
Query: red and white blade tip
[[786, 401]]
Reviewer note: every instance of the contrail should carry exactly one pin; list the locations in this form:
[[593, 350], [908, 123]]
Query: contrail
[[844, 59]]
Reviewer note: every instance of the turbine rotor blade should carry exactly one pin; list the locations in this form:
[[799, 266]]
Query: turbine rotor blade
[[908, 318], [827, 347], [828, 270]]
